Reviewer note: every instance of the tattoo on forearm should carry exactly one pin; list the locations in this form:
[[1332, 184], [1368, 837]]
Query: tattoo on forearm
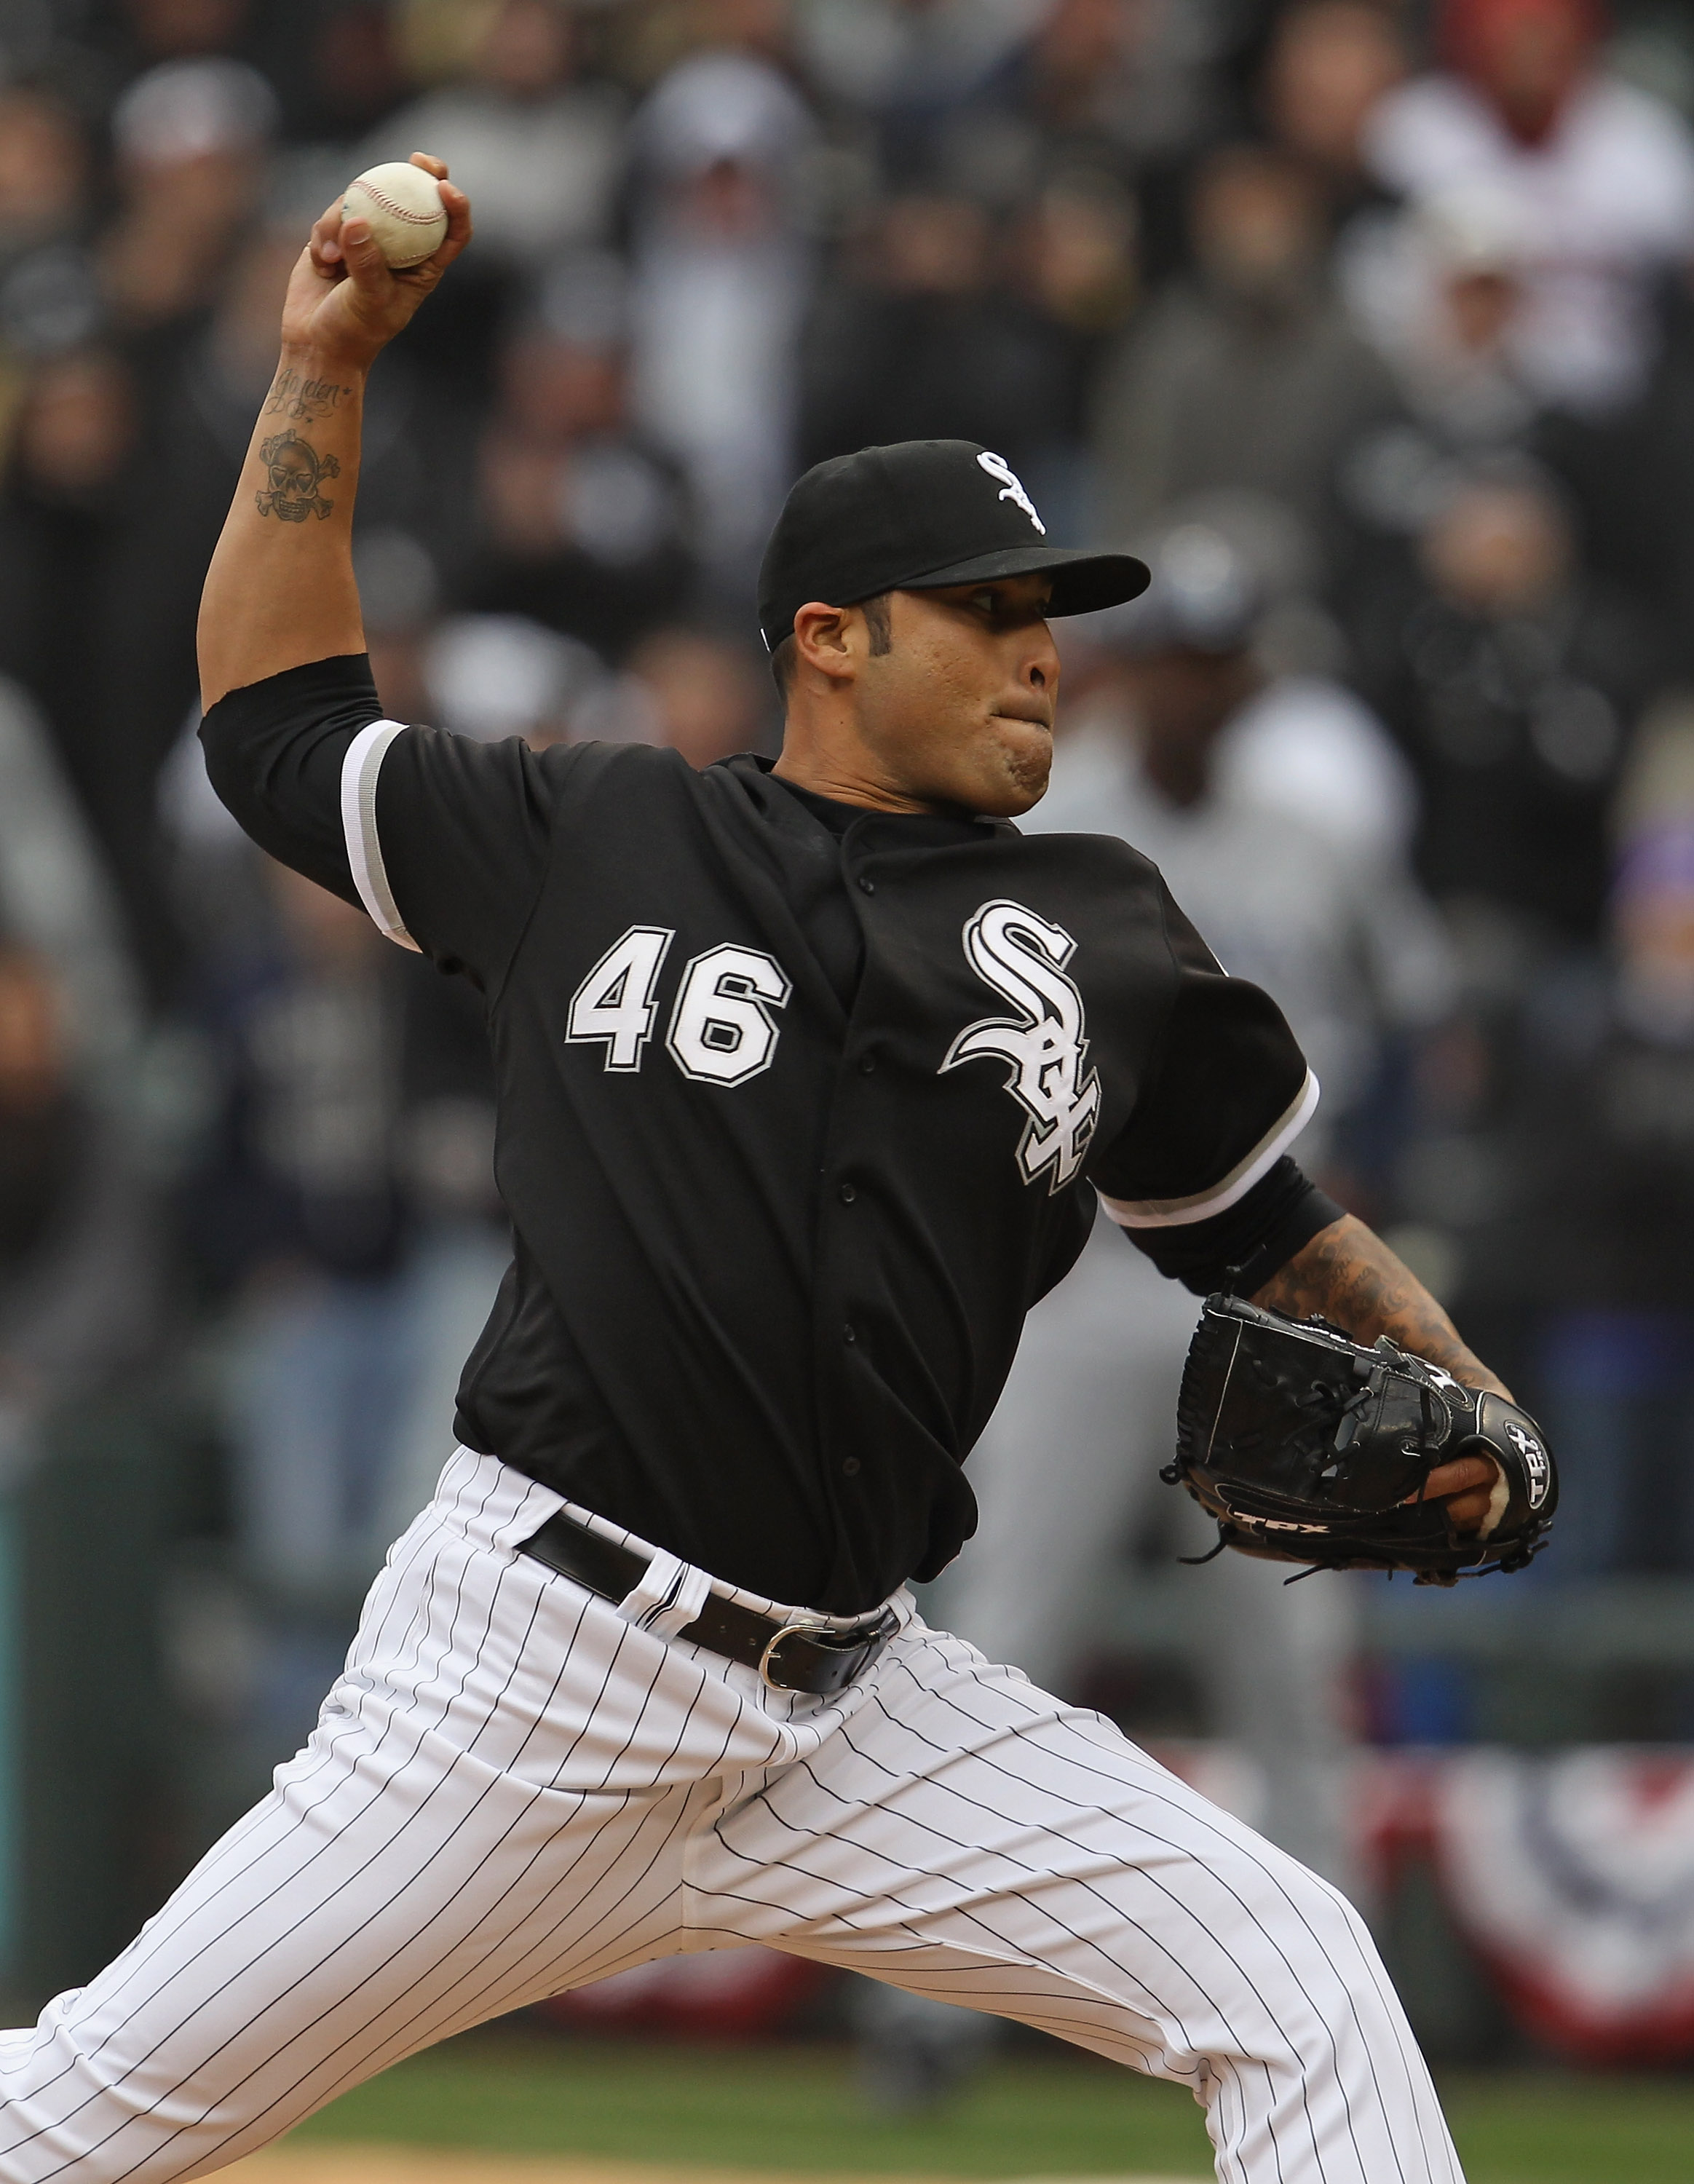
[[293, 397], [295, 472], [1348, 1275]]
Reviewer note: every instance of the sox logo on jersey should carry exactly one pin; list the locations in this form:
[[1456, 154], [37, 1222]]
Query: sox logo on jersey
[[1023, 956]]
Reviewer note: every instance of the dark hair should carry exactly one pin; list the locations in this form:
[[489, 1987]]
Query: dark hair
[[879, 620]]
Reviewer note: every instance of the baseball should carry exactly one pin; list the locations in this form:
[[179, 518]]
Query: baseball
[[403, 205]]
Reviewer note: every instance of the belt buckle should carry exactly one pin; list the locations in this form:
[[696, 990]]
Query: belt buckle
[[805, 1628]]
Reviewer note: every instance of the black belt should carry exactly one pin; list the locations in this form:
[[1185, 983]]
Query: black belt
[[789, 1657]]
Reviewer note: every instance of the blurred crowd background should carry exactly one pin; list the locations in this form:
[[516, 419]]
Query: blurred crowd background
[[1371, 324]]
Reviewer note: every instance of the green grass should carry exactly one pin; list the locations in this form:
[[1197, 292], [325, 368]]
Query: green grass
[[1525, 2128], [798, 2108]]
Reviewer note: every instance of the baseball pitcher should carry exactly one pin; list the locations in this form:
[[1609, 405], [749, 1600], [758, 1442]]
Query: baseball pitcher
[[809, 1075]]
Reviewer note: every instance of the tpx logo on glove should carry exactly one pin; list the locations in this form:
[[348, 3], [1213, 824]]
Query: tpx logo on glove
[[1534, 1462]]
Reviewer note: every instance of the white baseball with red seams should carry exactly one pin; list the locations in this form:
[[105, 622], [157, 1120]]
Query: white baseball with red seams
[[403, 205]]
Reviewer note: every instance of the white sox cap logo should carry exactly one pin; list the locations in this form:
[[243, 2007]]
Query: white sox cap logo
[[1023, 956], [998, 467], [1534, 1458]]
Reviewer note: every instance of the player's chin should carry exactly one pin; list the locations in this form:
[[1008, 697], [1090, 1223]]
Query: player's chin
[[1021, 761]]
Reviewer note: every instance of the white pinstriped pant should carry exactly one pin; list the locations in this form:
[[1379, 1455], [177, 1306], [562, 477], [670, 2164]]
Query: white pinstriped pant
[[513, 1789]]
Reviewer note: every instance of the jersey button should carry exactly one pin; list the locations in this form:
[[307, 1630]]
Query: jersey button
[[866, 884], [848, 1194], [848, 1333], [851, 1466], [867, 1063]]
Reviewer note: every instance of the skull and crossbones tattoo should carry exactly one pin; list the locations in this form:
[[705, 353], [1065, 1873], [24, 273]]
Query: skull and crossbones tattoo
[[296, 473]]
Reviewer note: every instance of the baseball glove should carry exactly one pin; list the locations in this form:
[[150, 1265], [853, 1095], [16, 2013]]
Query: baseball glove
[[1309, 1447]]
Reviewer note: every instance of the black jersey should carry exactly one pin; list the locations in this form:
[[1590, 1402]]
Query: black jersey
[[799, 1110]]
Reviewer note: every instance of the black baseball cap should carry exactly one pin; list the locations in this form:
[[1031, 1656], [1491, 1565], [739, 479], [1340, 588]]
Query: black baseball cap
[[915, 517]]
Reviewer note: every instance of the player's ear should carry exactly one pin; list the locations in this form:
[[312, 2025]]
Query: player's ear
[[823, 639]]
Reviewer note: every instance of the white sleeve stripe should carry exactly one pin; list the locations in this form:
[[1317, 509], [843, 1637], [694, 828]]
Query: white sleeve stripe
[[358, 772], [1178, 1212]]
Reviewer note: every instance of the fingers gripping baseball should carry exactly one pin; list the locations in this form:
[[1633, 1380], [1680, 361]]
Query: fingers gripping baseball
[[344, 301], [1474, 1489]]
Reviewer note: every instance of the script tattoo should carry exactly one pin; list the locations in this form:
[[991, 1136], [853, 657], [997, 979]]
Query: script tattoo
[[295, 472], [299, 398]]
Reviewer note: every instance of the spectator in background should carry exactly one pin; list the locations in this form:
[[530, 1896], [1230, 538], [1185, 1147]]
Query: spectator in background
[[1598, 1151], [1445, 302], [173, 30], [927, 344], [79, 1272], [71, 436], [539, 150], [720, 270], [400, 599], [62, 524], [1438, 291], [493, 676], [347, 75], [1074, 255], [300, 1204], [1631, 477], [905, 68], [1110, 86], [1513, 683], [136, 620], [80, 1292], [1302, 743], [354, 1126], [43, 172], [1199, 751], [584, 526], [191, 139], [1600, 176], [1073, 267], [1330, 64], [703, 695], [1247, 374], [57, 904], [49, 295]]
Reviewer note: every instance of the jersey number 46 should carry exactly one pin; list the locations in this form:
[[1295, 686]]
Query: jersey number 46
[[722, 1029]]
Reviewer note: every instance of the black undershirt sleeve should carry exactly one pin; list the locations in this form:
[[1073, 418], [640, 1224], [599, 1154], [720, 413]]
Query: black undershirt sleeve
[[1240, 1248]]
